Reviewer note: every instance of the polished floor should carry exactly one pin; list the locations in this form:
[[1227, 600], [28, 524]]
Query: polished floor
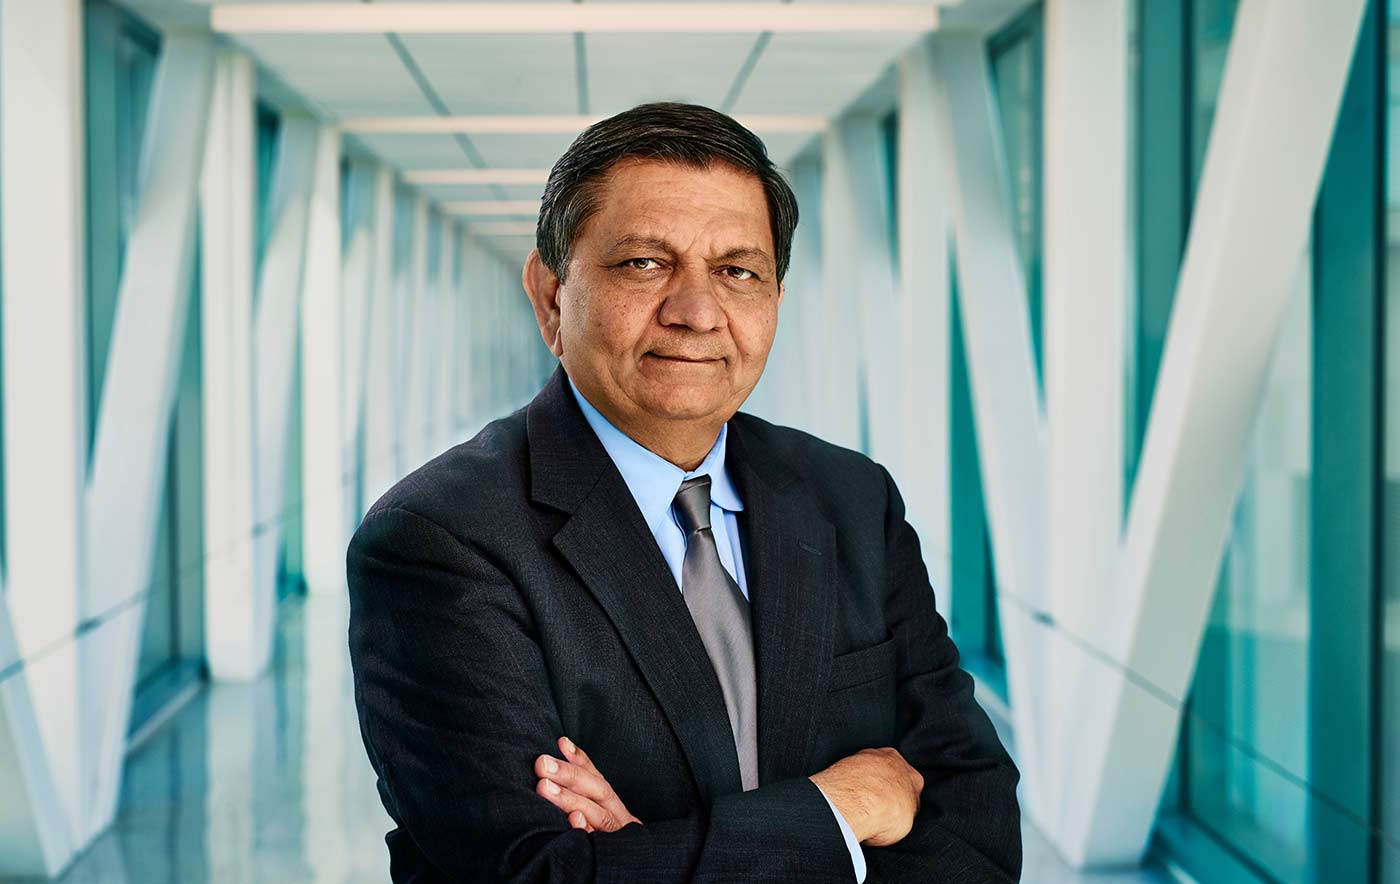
[[268, 782]]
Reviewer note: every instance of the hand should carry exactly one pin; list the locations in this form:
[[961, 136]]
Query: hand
[[576, 787], [876, 791]]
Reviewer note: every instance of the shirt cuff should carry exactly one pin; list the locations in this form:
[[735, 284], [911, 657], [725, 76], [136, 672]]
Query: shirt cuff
[[857, 855]]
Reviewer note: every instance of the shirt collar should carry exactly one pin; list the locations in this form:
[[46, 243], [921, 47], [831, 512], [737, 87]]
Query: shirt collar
[[652, 479]]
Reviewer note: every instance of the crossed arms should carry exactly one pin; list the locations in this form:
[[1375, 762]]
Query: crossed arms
[[456, 712]]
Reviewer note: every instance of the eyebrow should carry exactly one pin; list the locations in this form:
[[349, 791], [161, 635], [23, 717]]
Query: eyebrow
[[741, 253]]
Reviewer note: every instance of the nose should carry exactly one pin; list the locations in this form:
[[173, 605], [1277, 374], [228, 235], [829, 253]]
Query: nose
[[691, 301]]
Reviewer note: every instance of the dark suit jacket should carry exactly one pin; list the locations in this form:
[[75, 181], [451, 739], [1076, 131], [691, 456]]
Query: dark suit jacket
[[508, 592]]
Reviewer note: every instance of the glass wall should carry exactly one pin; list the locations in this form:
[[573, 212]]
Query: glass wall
[[1245, 736], [1015, 58], [1274, 777], [121, 56], [1390, 675]]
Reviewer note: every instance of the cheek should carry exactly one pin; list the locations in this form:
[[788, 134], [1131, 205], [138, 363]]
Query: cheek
[[754, 334], [607, 324]]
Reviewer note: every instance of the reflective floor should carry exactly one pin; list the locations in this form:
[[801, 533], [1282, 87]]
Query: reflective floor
[[268, 782]]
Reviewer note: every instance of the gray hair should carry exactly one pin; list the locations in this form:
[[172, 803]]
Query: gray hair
[[689, 134]]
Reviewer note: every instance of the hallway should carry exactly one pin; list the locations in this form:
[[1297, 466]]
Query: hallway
[[268, 782]]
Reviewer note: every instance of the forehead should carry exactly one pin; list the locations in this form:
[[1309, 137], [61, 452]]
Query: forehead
[[663, 198]]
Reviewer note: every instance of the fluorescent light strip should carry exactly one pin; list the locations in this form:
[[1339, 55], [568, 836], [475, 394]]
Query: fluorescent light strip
[[492, 207], [504, 228], [469, 125], [547, 125], [555, 18], [476, 176]]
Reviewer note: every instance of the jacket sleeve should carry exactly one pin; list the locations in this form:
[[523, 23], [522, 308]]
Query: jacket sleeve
[[454, 704], [968, 826]]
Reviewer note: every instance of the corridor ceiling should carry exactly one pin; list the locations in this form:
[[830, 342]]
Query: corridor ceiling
[[797, 77]]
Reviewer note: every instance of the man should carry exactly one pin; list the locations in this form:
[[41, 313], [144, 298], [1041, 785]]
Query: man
[[630, 634]]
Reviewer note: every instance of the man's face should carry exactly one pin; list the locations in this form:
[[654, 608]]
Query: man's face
[[670, 299]]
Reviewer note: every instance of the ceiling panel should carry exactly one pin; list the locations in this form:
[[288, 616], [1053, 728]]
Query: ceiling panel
[[817, 73], [361, 75], [415, 151], [499, 73], [345, 74], [629, 69], [522, 151]]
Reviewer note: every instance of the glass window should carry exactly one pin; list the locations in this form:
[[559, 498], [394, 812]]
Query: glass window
[[1390, 675], [1246, 733], [121, 57], [1015, 57], [889, 136], [120, 62], [1276, 754], [1245, 737], [1017, 64]]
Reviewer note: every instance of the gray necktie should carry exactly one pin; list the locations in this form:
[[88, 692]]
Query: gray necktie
[[721, 615]]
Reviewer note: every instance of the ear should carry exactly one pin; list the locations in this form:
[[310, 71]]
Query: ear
[[782, 290], [542, 287]]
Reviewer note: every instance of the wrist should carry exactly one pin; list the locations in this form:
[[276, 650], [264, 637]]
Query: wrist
[[847, 804]]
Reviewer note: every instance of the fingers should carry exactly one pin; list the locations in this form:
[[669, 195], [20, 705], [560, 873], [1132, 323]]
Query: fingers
[[582, 812], [582, 780], [576, 754], [579, 781]]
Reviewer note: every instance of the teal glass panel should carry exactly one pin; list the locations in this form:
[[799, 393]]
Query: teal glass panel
[[1017, 57], [1276, 760], [121, 56], [291, 575], [889, 136], [1162, 205], [1245, 733], [268, 128], [1390, 494], [120, 62], [1247, 729], [173, 631], [973, 620]]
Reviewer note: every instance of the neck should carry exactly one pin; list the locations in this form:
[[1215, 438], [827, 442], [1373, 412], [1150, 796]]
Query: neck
[[684, 444]]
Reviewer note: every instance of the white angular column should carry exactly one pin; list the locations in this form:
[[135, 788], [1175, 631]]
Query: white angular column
[[1006, 400], [447, 343], [1287, 66], [227, 196], [357, 282], [925, 311], [42, 768], [843, 251], [323, 365], [379, 466], [1085, 300], [414, 355], [276, 324], [138, 396]]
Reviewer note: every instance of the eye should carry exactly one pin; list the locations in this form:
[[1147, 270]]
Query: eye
[[640, 263], [740, 273]]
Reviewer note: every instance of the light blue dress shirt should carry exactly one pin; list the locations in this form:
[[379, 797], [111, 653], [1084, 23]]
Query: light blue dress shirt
[[654, 481]]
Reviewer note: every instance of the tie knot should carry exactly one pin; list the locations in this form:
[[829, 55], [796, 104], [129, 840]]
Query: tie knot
[[693, 504]]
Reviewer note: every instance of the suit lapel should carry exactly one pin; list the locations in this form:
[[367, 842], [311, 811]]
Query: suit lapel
[[790, 551], [609, 546]]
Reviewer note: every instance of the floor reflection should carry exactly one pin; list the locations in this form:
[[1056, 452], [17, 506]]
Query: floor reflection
[[268, 782], [261, 782]]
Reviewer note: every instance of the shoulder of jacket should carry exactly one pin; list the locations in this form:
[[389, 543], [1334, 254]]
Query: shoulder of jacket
[[457, 485]]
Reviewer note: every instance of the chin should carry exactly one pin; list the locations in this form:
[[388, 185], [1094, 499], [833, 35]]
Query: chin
[[683, 403]]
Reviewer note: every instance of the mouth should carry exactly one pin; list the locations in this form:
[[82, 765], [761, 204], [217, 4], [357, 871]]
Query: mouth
[[679, 358]]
